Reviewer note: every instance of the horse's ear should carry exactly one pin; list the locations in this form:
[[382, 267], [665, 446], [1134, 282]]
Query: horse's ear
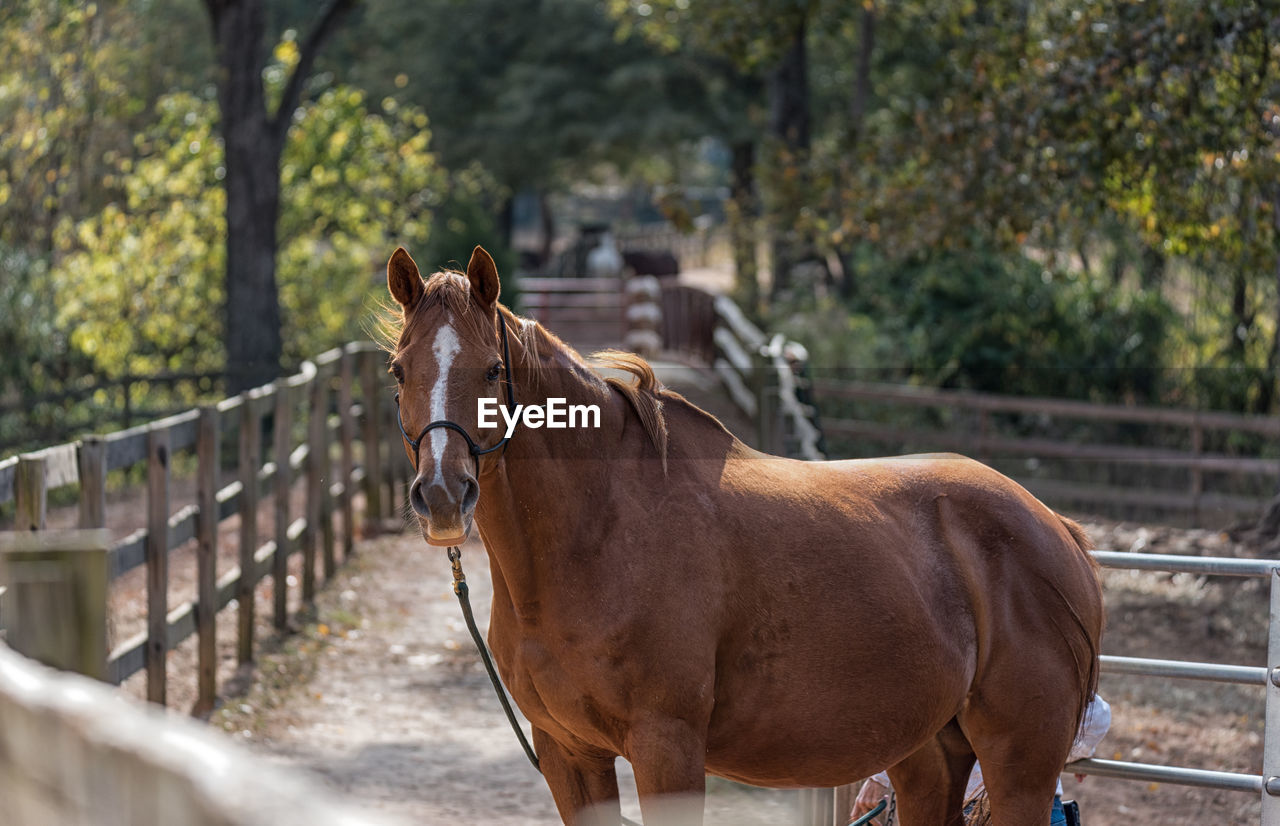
[[483, 275], [403, 280]]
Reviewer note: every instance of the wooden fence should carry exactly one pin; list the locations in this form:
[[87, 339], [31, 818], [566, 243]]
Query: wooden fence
[[762, 375], [320, 437], [588, 312], [1125, 459]]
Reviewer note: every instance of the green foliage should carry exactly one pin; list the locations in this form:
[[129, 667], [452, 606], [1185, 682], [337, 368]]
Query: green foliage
[[981, 320], [465, 219], [141, 284], [357, 180], [540, 98]]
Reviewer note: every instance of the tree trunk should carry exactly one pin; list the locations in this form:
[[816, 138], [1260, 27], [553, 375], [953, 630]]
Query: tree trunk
[[253, 198], [1153, 267], [789, 122], [847, 282], [253, 141]]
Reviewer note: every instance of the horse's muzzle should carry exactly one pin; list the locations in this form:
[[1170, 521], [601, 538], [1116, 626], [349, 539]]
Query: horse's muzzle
[[445, 510]]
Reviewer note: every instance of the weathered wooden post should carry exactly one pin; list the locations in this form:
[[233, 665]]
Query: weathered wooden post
[[324, 467], [250, 462], [30, 493], [92, 459], [55, 609], [284, 478], [207, 452], [157, 561], [346, 379], [372, 445], [316, 473]]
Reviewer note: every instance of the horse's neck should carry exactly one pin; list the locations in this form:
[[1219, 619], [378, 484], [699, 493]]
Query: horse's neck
[[547, 480]]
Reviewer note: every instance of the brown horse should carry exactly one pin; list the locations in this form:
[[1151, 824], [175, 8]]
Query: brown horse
[[665, 593]]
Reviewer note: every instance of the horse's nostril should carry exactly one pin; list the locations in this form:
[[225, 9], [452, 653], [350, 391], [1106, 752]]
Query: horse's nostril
[[470, 494], [417, 501]]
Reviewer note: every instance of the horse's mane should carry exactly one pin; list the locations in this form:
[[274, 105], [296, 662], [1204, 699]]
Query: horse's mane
[[451, 290], [643, 394]]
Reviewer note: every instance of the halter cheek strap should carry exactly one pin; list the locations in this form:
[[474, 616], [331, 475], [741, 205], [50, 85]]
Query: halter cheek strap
[[476, 450]]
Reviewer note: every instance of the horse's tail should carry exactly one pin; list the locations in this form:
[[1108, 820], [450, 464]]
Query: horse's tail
[[1088, 671]]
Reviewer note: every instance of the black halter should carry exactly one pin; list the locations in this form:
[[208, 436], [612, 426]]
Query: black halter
[[476, 450]]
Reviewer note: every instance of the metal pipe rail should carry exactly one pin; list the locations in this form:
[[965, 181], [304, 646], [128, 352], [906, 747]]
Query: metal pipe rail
[[1267, 785]]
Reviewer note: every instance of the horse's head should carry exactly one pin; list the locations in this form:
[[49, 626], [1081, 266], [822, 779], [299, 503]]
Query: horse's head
[[449, 355]]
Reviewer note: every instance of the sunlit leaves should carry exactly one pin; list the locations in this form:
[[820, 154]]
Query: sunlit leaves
[[143, 287]]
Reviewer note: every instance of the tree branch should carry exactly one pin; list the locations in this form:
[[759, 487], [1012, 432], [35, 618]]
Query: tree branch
[[308, 50]]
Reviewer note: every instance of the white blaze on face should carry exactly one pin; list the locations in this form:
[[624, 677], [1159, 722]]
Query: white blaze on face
[[446, 346]]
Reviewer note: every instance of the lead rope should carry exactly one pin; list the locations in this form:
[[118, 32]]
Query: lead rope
[[869, 816], [460, 588], [463, 592]]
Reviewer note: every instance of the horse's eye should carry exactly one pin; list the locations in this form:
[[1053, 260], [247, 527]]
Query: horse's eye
[[494, 372], [398, 372]]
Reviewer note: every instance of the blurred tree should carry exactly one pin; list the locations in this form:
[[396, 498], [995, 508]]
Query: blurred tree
[[254, 138], [538, 92], [142, 289], [63, 105]]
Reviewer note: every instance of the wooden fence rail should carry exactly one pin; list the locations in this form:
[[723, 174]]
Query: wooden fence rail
[[72, 750], [758, 372], [328, 418], [1191, 460]]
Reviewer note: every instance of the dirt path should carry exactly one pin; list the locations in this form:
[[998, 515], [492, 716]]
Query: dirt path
[[384, 698]]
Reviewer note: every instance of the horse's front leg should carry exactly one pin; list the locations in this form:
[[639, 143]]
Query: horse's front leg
[[669, 758], [583, 783]]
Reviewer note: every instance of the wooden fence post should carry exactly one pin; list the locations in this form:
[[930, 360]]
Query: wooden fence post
[[347, 434], [92, 459], [315, 481], [207, 451], [372, 446], [30, 493], [157, 561], [323, 466], [280, 563], [55, 610], [250, 462]]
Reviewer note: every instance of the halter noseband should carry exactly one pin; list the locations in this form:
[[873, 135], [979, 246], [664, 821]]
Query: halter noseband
[[476, 450]]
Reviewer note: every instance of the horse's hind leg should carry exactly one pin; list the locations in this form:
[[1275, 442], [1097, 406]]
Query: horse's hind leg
[[584, 786], [930, 782], [1021, 758]]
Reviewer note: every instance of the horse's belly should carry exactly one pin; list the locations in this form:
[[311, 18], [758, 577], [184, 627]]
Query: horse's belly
[[840, 713], [808, 747]]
